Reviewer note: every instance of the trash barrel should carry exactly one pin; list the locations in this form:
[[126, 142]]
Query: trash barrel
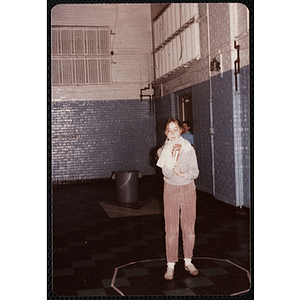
[[127, 185]]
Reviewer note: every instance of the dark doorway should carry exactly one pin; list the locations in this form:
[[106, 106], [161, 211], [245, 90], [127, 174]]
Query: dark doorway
[[186, 108]]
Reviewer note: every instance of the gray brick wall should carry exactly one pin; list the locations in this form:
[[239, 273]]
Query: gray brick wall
[[223, 138], [245, 125], [91, 139], [224, 144]]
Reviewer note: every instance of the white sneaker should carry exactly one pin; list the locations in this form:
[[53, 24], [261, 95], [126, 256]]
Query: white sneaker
[[192, 270], [169, 274]]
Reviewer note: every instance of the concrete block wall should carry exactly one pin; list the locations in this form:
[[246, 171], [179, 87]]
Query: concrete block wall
[[91, 139]]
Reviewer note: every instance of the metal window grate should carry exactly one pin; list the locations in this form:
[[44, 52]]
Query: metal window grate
[[78, 70], [80, 55]]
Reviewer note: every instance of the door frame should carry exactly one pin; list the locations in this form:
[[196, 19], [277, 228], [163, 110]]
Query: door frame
[[181, 97]]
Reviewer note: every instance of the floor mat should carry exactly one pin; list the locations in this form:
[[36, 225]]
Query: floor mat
[[118, 210], [136, 205]]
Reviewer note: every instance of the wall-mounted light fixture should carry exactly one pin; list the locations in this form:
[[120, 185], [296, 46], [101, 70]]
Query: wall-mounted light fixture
[[215, 65]]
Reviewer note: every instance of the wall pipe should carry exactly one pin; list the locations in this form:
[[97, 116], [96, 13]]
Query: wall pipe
[[236, 64], [211, 130], [151, 98]]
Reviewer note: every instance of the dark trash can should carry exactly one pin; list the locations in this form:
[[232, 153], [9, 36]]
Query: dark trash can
[[127, 185]]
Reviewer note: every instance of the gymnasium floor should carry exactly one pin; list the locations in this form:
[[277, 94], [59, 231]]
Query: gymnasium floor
[[102, 248]]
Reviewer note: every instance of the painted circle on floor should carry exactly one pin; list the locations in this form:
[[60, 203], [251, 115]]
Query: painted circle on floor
[[216, 277]]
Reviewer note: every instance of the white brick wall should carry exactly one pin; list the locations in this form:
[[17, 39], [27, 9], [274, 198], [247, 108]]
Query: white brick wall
[[131, 66]]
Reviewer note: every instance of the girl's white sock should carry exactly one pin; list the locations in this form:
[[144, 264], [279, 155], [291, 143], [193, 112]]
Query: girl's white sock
[[187, 261], [171, 265]]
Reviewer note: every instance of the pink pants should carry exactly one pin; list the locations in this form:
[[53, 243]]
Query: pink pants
[[179, 204]]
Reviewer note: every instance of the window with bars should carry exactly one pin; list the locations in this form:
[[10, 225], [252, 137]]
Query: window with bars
[[80, 55]]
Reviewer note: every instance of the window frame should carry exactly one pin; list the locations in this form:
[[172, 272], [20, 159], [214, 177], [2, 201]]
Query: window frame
[[80, 55]]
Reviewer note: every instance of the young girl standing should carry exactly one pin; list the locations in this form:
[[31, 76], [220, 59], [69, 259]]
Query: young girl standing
[[178, 161]]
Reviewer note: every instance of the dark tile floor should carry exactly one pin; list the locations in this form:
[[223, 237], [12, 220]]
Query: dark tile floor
[[95, 255]]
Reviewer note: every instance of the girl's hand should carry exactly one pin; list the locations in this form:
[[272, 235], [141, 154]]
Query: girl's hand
[[177, 171]]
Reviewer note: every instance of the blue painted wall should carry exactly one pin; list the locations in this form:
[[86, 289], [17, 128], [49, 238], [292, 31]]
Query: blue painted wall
[[224, 146], [223, 115], [246, 132], [91, 139]]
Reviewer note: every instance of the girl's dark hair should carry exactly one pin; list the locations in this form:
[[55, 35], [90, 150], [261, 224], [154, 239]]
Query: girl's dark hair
[[174, 120], [188, 123]]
